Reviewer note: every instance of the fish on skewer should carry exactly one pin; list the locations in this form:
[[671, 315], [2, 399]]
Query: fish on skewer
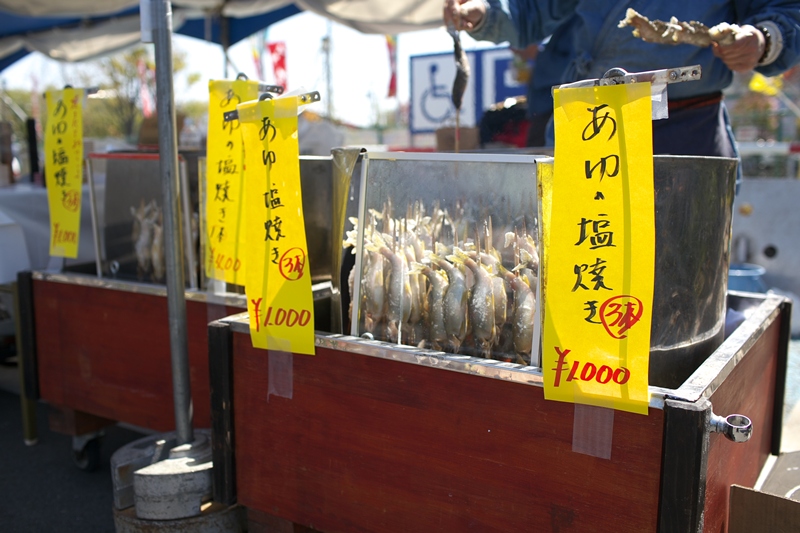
[[523, 283], [459, 82], [481, 303], [500, 289], [526, 246], [437, 333], [373, 297], [144, 221], [411, 248], [494, 263], [398, 289], [157, 252], [678, 32], [522, 317], [526, 256], [462, 70], [375, 294], [456, 302]]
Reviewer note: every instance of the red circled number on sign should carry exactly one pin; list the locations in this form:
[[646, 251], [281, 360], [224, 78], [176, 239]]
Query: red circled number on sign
[[620, 313], [293, 263], [71, 201]]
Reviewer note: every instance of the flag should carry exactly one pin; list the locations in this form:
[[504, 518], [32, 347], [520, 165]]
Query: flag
[[769, 86], [257, 44], [277, 52], [391, 44], [148, 105]]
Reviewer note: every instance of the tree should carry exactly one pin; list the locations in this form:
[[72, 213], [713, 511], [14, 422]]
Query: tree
[[118, 113], [15, 107], [21, 100]]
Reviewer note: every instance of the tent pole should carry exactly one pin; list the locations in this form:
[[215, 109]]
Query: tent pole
[[173, 234]]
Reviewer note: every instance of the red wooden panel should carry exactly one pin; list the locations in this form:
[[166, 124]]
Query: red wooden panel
[[106, 352], [368, 444], [748, 390]]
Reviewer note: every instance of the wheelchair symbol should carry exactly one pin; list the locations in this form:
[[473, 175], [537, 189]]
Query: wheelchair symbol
[[433, 97]]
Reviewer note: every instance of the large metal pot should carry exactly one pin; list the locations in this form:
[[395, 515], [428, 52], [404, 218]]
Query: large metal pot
[[694, 207]]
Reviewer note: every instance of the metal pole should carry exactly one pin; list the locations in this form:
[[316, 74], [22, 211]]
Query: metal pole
[[170, 189], [326, 48], [98, 261]]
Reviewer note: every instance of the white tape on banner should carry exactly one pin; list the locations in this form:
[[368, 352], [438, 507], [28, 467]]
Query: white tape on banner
[[592, 431], [281, 380], [658, 93]]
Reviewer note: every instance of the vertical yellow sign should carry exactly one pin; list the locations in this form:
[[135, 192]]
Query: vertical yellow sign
[[278, 283], [599, 266], [63, 152], [224, 249]]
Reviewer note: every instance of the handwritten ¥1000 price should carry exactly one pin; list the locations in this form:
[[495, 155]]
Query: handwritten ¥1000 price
[[588, 371], [225, 262], [278, 316]]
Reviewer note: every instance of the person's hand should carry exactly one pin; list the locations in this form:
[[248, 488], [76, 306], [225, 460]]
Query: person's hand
[[463, 14], [743, 54]]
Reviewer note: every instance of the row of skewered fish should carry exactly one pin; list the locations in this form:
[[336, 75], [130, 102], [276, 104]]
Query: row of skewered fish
[[148, 241], [419, 291], [147, 235]]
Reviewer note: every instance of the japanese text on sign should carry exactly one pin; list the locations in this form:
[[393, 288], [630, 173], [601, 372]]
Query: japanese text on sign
[[224, 251], [63, 147], [599, 269], [278, 281]]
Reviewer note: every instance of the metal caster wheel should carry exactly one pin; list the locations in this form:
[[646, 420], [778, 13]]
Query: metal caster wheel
[[86, 451]]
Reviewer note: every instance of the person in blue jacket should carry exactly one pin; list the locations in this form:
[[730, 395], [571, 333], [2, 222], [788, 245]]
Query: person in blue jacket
[[768, 41]]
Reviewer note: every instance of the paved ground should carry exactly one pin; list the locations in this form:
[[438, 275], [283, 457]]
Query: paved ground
[[40, 488]]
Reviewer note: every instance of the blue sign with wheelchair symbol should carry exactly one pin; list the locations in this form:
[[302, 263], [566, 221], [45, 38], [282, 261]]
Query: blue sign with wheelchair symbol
[[432, 78]]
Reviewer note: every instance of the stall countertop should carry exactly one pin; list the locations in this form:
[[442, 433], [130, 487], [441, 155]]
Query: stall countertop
[[226, 298], [321, 290], [761, 312]]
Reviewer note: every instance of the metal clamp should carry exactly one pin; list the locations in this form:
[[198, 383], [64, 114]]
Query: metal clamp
[[618, 76], [736, 428], [262, 87], [277, 89], [303, 99]]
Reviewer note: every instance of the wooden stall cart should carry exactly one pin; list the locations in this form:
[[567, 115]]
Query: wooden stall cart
[[374, 437], [97, 351]]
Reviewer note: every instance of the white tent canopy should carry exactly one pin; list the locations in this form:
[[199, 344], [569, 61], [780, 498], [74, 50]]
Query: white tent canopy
[[78, 30], [79, 44], [379, 16], [368, 16]]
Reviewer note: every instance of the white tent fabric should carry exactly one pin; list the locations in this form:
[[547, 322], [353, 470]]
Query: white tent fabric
[[379, 16], [82, 8], [61, 8], [81, 43], [367, 16]]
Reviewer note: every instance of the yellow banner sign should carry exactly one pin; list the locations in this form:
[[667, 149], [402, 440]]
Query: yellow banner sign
[[278, 282], [224, 250], [600, 261], [63, 153]]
